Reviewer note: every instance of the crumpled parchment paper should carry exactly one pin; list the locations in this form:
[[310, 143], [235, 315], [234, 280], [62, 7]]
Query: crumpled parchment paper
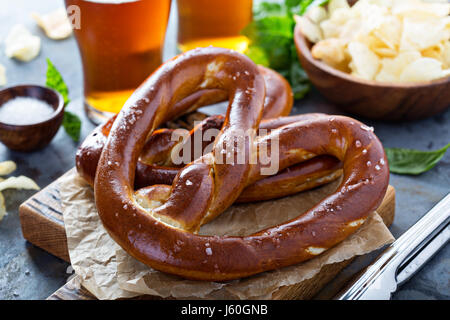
[[108, 272]]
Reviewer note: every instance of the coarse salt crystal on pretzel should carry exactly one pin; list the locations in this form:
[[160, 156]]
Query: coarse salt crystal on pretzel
[[175, 212]]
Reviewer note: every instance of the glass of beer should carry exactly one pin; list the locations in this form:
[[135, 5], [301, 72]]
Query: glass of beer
[[120, 43], [202, 23]]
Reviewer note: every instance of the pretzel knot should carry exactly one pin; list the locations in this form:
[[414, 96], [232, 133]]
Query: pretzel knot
[[155, 165], [157, 224]]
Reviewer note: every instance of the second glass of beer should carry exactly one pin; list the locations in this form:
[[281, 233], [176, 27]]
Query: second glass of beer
[[213, 22], [120, 43]]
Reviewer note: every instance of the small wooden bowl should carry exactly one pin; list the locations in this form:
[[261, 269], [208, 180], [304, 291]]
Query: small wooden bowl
[[36, 135], [370, 99]]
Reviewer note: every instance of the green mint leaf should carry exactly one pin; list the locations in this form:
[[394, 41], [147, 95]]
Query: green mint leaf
[[300, 6], [293, 3], [414, 162], [297, 76], [319, 2], [265, 9], [303, 6], [270, 28], [71, 122], [72, 125], [274, 36], [306, 4], [271, 35], [56, 82], [258, 55], [299, 80]]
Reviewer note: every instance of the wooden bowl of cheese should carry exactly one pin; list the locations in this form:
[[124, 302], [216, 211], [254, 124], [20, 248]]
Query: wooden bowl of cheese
[[365, 72]]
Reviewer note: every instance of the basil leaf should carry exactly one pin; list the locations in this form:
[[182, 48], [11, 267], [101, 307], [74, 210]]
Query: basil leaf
[[56, 82], [72, 125], [414, 162], [71, 122]]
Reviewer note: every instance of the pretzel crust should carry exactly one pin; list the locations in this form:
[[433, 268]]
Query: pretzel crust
[[155, 167], [278, 102], [160, 236]]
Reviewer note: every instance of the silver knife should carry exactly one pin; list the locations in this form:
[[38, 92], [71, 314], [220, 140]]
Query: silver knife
[[403, 258]]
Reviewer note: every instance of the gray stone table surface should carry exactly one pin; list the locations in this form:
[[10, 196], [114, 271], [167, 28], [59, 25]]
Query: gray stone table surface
[[27, 272]]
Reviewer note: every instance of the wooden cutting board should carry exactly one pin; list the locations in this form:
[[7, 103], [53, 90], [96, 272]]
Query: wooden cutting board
[[43, 225]]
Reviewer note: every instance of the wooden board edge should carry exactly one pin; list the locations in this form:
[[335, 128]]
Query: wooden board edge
[[42, 221], [43, 232], [72, 290]]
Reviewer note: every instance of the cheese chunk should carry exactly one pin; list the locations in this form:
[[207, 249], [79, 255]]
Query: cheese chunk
[[21, 44], [55, 24]]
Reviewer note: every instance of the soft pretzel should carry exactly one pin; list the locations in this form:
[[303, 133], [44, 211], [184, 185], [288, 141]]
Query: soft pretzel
[[156, 225], [278, 102], [155, 166]]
